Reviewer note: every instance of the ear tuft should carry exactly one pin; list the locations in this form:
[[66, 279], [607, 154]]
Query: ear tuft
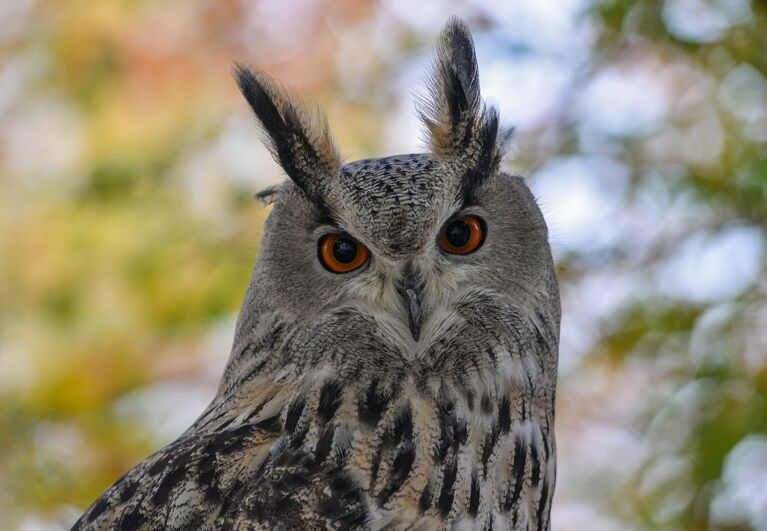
[[459, 124], [298, 139], [454, 84]]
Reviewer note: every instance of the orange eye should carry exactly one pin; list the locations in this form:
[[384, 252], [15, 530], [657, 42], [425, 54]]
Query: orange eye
[[341, 253], [463, 235]]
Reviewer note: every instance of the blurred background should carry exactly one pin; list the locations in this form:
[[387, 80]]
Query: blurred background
[[128, 231]]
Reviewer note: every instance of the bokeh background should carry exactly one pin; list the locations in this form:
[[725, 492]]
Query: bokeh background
[[128, 230]]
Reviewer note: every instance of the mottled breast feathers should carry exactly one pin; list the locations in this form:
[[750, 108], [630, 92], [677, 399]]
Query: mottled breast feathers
[[348, 449]]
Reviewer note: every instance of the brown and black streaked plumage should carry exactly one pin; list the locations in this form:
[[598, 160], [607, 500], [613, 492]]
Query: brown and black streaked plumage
[[415, 391]]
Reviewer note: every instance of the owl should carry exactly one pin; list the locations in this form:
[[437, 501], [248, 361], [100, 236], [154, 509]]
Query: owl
[[395, 358]]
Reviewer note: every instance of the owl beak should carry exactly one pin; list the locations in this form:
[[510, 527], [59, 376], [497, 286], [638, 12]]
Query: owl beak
[[411, 298]]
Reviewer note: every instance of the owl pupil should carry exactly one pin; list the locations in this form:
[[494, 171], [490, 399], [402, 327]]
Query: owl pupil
[[458, 233], [344, 250]]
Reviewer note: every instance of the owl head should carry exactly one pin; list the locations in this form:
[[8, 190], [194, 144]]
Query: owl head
[[436, 263]]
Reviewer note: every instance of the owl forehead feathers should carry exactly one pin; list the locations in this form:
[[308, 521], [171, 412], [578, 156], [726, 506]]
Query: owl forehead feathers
[[463, 132], [390, 202]]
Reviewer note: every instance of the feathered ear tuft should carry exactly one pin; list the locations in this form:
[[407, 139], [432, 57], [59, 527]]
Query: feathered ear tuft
[[298, 139], [459, 124]]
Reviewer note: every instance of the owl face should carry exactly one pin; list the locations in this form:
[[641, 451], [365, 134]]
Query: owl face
[[390, 260]]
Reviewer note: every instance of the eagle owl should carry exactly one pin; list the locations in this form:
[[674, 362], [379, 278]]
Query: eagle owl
[[395, 359]]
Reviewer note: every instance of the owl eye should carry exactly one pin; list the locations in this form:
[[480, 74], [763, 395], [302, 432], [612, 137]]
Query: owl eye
[[341, 253], [463, 235]]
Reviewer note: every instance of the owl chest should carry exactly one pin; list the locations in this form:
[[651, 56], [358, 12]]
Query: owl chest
[[416, 459]]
